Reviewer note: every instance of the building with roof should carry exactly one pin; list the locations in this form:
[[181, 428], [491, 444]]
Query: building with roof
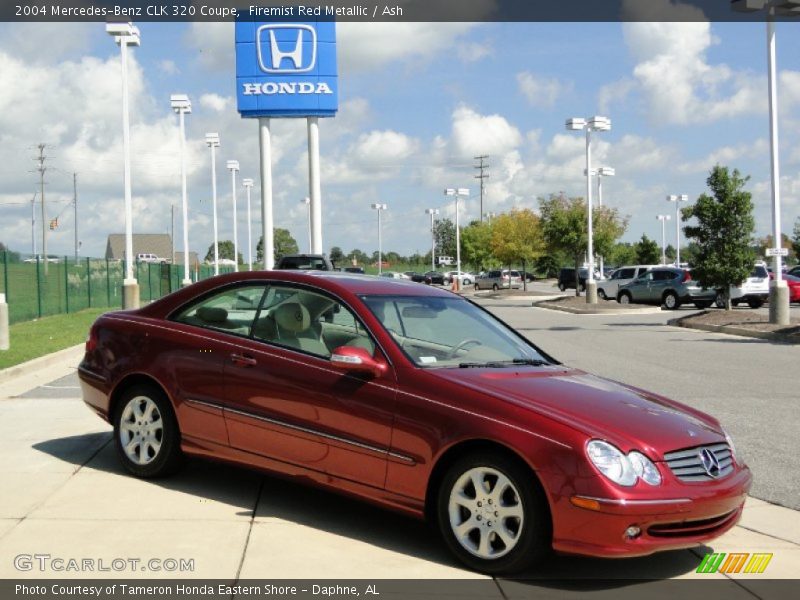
[[159, 244]]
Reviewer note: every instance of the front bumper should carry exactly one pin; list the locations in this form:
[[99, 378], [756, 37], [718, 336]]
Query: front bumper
[[687, 515]]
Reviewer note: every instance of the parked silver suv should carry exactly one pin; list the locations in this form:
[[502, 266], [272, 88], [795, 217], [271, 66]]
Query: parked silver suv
[[607, 288], [668, 286], [754, 290]]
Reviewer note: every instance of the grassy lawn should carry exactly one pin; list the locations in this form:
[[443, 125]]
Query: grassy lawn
[[48, 334]]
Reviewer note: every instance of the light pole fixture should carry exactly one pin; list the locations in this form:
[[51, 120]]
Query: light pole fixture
[[589, 125], [307, 202], [457, 193], [489, 215], [233, 166], [602, 172], [778, 290], [432, 212], [212, 141], [126, 34], [380, 208], [248, 185], [180, 104], [663, 219], [677, 199]]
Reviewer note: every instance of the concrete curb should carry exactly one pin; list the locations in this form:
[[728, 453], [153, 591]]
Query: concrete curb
[[41, 362], [731, 330], [598, 311]]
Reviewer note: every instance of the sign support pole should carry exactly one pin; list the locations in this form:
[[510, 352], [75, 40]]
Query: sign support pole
[[314, 185], [265, 144]]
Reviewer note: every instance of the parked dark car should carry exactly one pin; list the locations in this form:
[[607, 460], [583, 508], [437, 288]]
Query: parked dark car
[[434, 277], [414, 399], [415, 276], [566, 278], [669, 286], [308, 262], [353, 270]]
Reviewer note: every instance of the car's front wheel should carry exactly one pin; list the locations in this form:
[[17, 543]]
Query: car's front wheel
[[624, 298], [146, 433], [602, 293], [493, 514], [719, 300], [755, 303], [477, 287], [562, 287]]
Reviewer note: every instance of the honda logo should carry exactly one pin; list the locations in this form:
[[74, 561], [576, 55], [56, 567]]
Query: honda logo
[[279, 43]]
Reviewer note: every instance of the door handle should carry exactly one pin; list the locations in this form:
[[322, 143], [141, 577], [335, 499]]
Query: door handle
[[242, 360]]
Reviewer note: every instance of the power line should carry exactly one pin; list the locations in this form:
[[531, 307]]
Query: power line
[[482, 176], [42, 170]]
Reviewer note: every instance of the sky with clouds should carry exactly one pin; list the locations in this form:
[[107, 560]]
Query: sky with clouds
[[417, 102]]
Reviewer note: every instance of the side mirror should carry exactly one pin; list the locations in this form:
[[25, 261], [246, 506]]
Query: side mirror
[[357, 360]]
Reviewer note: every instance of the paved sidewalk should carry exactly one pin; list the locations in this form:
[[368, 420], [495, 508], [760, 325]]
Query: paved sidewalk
[[64, 494]]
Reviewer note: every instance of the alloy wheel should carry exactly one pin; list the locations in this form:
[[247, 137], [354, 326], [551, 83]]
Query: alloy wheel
[[141, 430]]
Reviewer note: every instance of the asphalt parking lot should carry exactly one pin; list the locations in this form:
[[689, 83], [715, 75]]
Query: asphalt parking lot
[[65, 494]]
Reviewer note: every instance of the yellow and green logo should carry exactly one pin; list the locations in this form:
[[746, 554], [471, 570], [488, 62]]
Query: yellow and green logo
[[735, 562]]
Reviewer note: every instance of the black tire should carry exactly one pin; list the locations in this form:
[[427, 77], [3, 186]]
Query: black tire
[[168, 458], [734, 303], [561, 286], [703, 304], [624, 298], [494, 287], [671, 301], [583, 287], [755, 303], [535, 531], [477, 287], [719, 300], [602, 294]]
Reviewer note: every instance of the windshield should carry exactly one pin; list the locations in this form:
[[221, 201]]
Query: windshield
[[451, 332]]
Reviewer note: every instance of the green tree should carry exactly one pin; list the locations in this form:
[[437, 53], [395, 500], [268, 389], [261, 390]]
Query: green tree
[[796, 239], [444, 233], [359, 256], [476, 244], [565, 229], [517, 236], [622, 253], [224, 249], [282, 244], [723, 233], [647, 251], [336, 255], [670, 253]]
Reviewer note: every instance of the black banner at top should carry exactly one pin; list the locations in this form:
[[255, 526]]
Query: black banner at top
[[401, 10]]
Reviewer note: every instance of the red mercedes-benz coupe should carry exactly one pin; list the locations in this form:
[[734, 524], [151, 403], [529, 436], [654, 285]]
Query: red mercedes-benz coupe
[[418, 400]]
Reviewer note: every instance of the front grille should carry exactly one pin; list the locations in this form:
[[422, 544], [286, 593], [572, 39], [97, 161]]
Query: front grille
[[688, 465], [691, 528]]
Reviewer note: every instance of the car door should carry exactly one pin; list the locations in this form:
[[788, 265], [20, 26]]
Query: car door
[[661, 281], [285, 401], [208, 330]]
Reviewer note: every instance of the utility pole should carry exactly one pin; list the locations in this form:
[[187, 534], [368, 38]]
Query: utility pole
[[33, 224], [42, 169], [172, 230], [75, 206], [481, 166]]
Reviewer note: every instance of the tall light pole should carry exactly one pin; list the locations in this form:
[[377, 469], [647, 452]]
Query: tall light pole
[[212, 141], [589, 125], [602, 172], [248, 185], [663, 219], [180, 104], [126, 34], [457, 193], [307, 202], [432, 212], [233, 166], [380, 208], [778, 290], [677, 199]]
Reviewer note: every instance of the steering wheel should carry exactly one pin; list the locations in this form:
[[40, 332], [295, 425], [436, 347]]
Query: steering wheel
[[460, 346]]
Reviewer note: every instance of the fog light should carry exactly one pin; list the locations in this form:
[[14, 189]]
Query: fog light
[[633, 532]]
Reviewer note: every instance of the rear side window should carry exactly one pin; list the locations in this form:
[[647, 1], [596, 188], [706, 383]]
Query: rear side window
[[760, 271], [232, 310], [664, 275], [625, 274]]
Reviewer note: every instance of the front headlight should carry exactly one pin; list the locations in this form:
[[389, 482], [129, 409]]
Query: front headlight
[[611, 462], [622, 469]]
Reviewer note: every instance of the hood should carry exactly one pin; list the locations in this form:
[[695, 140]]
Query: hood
[[628, 417]]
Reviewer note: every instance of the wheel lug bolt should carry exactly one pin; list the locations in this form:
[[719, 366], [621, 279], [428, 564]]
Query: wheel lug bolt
[[490, 501], [479, 517], [496, 514], [489, 523], [480, 504]]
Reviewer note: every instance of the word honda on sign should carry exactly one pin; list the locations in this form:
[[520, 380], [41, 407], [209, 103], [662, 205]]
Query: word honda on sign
[[286, 69]]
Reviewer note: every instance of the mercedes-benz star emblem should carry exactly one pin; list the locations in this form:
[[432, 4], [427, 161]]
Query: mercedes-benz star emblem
[[710, 462]]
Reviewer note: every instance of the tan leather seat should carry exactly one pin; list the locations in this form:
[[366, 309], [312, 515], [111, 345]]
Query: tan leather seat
[[295, 329]]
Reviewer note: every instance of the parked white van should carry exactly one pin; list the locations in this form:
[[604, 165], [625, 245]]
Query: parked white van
[[607, 288]]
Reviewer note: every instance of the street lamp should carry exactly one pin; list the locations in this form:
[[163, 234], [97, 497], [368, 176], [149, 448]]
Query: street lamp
[[126, 34], [248, 185], [589, 125], [602, 172], [432, 212], [380, 208], [212, 141], [457, 192], [180, 104], [778, 291], [663, 219], [307, 202], [233, 166], [677, 199]]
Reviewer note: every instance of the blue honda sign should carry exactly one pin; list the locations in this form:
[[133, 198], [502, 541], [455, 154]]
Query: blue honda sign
[[286, 68]]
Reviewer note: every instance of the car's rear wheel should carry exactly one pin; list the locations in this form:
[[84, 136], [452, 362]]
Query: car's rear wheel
[[719, 300], [477, 287], [624, 298], [146, 433], [494, 287], [755, 303], [493, 514], [583, 287], [602, 293], [562, 287], [703, 304], [671, 301]]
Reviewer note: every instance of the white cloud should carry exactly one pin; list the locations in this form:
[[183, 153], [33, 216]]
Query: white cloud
[[475, 134], [542, 92], [612, 93], [473, 51], [215, 102], [168, 67], [726, 156]]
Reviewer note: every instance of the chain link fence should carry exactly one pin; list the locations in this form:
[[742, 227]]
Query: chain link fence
[[34, 288]]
